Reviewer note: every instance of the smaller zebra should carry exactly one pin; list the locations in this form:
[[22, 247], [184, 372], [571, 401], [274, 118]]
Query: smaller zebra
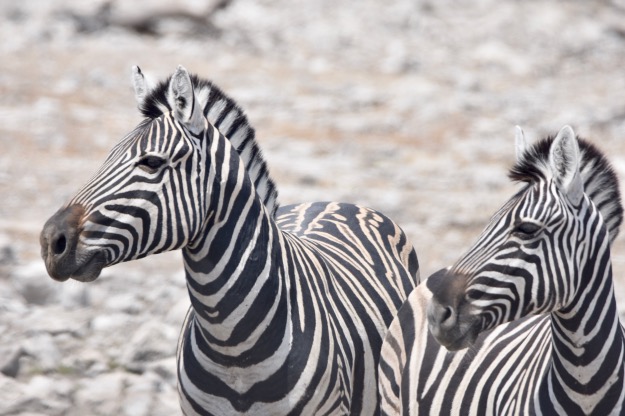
[[528, 314]]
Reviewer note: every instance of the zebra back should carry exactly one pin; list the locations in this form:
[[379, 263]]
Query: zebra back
[[226, 115]]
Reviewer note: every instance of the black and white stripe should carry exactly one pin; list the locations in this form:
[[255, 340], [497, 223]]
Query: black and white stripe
[[529, 311], [289, 306], [222, 112]]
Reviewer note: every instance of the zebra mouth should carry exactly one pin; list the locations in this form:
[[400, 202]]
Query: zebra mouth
[[452, 330], [90, 269], [457, 339], [85, 268]]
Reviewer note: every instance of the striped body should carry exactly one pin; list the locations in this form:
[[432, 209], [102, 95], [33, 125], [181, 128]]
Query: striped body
[[527, 318], [289, 306]]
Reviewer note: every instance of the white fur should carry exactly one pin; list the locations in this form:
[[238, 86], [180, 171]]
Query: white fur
[[181, 98], [139, 84], [564, 159]]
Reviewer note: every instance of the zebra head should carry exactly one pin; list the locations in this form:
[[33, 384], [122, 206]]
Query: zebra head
[[137, 203], [529, 258]]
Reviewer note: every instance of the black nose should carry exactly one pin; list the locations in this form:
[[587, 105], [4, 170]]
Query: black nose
[[59, 237], [57, 242], [60, 244], [443, 316]]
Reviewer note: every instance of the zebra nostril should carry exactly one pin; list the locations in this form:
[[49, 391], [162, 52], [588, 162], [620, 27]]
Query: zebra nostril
[[447, 316], [59, 245]]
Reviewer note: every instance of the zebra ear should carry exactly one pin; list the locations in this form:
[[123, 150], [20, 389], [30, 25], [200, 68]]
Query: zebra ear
[[181, 98], [140, 85], [564, 157], [520, 144]]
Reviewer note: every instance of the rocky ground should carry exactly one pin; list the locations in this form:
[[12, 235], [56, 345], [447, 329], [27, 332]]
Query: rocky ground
[[405, 106]]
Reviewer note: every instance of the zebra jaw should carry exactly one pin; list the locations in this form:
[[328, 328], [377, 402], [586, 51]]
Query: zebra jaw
[[63, 256]]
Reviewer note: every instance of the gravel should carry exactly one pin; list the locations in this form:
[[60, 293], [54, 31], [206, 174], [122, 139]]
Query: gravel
[[408, 107]]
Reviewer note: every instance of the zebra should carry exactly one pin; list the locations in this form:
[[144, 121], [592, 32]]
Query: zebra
[[289, 304], [526, 321]]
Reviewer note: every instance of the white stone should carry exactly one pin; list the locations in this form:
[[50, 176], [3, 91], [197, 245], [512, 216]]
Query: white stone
[[101, 394], [43, 350], [33, 283], [152, 341]]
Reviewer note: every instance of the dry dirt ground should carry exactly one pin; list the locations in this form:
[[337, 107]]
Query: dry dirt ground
[[405, 106]]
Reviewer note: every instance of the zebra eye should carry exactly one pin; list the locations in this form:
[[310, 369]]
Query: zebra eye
[[527, 228], [151, 163]]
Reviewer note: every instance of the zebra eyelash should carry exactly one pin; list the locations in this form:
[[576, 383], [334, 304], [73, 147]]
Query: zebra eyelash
[[151, 163], [526, 228]]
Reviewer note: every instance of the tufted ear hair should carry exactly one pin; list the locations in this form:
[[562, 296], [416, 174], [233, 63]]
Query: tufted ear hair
[[520, 144], [181, 99], [564, 160], [140, 85]]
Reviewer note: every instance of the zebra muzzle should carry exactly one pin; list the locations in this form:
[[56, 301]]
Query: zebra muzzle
[[448, 313], [60, 251]]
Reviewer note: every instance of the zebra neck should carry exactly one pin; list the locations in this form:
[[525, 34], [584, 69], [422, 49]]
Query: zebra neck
[[587, 366], [234, 278]]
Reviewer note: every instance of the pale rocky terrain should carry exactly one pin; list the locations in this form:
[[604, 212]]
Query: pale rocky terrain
[[406, 106]]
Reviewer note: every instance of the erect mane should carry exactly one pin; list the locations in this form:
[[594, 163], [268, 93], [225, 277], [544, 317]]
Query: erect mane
[[600, 180], [223, 113]]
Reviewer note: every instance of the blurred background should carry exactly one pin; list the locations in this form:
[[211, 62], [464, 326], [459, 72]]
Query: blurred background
[[405, 106]]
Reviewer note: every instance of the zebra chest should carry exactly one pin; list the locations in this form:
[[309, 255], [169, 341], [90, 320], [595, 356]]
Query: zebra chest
[[307, 373], [501, 374]]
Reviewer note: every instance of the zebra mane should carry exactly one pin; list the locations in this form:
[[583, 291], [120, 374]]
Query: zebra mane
[[225, 114], [599, 179]]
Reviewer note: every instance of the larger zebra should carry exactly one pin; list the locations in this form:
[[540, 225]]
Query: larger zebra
[[288, 310], [540, 278]]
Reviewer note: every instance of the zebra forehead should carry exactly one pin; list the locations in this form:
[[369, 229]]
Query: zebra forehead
[[598, 176], [131, 138]]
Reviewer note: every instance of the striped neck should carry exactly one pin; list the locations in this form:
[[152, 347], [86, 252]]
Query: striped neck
[[230, 266], [587, 367]]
